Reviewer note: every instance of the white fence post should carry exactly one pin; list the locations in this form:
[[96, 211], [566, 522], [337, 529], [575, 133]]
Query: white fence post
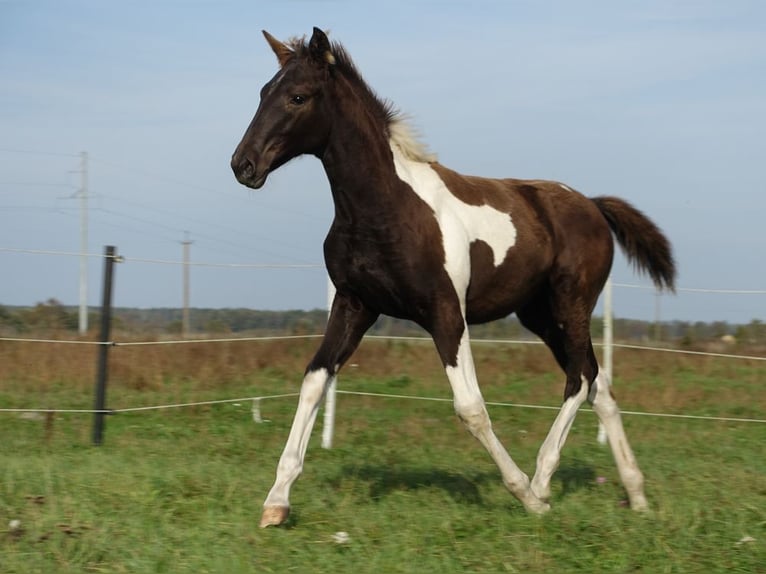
[[329, 406], [608, 345]]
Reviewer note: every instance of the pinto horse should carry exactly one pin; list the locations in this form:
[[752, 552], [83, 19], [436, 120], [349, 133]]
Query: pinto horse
[[413, 239]]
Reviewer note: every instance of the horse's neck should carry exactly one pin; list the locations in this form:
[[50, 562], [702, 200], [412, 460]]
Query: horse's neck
[[360, 168]]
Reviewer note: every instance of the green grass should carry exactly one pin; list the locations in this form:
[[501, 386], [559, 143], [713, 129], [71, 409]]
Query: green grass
[[181, 490]]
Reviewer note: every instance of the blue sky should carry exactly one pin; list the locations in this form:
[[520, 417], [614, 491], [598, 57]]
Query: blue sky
[[660, 102]]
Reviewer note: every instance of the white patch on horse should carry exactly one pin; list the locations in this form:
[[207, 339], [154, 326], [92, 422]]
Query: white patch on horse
[[565, 187], [461, 224]]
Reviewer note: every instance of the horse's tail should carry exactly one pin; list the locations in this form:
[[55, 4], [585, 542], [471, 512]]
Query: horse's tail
[[641, 240]]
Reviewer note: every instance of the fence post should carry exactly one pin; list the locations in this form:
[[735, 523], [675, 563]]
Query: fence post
[[608, 345], [103, 350], [329, 406]]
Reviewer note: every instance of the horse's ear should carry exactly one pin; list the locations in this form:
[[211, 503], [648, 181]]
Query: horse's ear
[[320, 48], [283, 51]]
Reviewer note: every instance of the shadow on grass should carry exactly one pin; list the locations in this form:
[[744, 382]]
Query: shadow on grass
[[575, 476], [384, 479], [461, 488]]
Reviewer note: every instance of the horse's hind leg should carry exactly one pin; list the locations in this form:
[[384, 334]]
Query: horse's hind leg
[[347, 324], [571, 346], [549, 455], [600, 396], [605, 406], [569, 340]]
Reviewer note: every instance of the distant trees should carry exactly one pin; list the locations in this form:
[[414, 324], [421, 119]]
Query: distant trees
[[52, 316], [753, 333], [48, 316], [9, 321]]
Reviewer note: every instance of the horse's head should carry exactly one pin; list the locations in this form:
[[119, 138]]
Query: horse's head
[[292, 118]]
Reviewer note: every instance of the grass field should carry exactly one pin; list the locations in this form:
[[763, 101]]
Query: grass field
[[180, 490]]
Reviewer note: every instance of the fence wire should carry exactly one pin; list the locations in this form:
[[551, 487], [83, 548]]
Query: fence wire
[[368, 337], [361, 394], [257, 399]]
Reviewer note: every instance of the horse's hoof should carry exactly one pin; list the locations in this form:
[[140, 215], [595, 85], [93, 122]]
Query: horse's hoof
[[537, 506], [544, 495], [274, 515], [639, 504]]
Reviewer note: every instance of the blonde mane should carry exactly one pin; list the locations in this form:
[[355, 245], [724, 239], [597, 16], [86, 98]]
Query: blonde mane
[[405, 137]]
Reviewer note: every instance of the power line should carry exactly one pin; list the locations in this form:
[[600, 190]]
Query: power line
[[168, 261], [189, 185], [208, 224], [48, 252], [175, 230], [158, 176], [317, 266], [170, 180], [229, 265], [155, 176], [111, 225], [696, 290], [38, 152], [33, 184], [36, 208]]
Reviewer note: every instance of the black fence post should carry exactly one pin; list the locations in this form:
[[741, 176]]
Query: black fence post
[[103, 350]]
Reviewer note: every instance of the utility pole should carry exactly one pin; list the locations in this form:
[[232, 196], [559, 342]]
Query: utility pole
[[185, 322], [657, 319], [83, 318]]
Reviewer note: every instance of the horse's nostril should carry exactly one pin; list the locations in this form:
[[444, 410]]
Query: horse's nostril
[[242, 167]]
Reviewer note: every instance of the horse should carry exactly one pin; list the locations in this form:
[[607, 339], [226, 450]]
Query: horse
[[416, 240]]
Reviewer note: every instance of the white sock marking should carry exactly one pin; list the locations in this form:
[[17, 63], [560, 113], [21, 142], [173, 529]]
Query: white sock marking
[[291, 462], [549, 454], [470, 407], [608, 412]]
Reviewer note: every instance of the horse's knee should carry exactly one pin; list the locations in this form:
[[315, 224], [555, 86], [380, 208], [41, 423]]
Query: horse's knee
[[314, 385], [600, 395], [474, 416], [603, 402]]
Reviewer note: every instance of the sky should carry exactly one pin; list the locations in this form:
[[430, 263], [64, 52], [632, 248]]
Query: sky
[[660, 102]]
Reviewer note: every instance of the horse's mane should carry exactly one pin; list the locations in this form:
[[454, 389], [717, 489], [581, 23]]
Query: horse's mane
[[397, 125]]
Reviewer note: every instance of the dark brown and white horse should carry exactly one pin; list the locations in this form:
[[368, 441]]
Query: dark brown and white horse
[[413, 239]]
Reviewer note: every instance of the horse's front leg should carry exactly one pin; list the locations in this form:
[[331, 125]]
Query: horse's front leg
[[348, 322], [452, 342]]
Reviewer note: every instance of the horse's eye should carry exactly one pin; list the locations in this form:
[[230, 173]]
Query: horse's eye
[[297, 100]]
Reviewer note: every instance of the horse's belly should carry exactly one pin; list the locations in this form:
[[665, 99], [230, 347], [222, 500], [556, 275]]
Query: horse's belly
[[496, 292]]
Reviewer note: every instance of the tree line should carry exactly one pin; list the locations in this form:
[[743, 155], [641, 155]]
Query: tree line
[[52, 316]]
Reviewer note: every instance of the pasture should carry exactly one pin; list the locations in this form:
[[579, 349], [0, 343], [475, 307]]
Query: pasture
[[180, 490]]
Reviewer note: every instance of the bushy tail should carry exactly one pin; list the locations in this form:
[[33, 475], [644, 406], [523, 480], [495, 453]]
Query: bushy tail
[[640, 239]]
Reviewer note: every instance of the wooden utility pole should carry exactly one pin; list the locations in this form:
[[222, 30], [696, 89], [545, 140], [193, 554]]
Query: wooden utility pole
[[185, 319], [83, 193]]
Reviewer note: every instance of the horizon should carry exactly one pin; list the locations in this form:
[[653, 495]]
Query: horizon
[[95, 310], [661, 104]]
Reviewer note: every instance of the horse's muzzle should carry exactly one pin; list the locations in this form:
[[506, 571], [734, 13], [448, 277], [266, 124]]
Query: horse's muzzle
[[246, 173]]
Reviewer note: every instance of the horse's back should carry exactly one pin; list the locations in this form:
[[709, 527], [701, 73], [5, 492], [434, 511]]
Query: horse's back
[[560, 234]]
